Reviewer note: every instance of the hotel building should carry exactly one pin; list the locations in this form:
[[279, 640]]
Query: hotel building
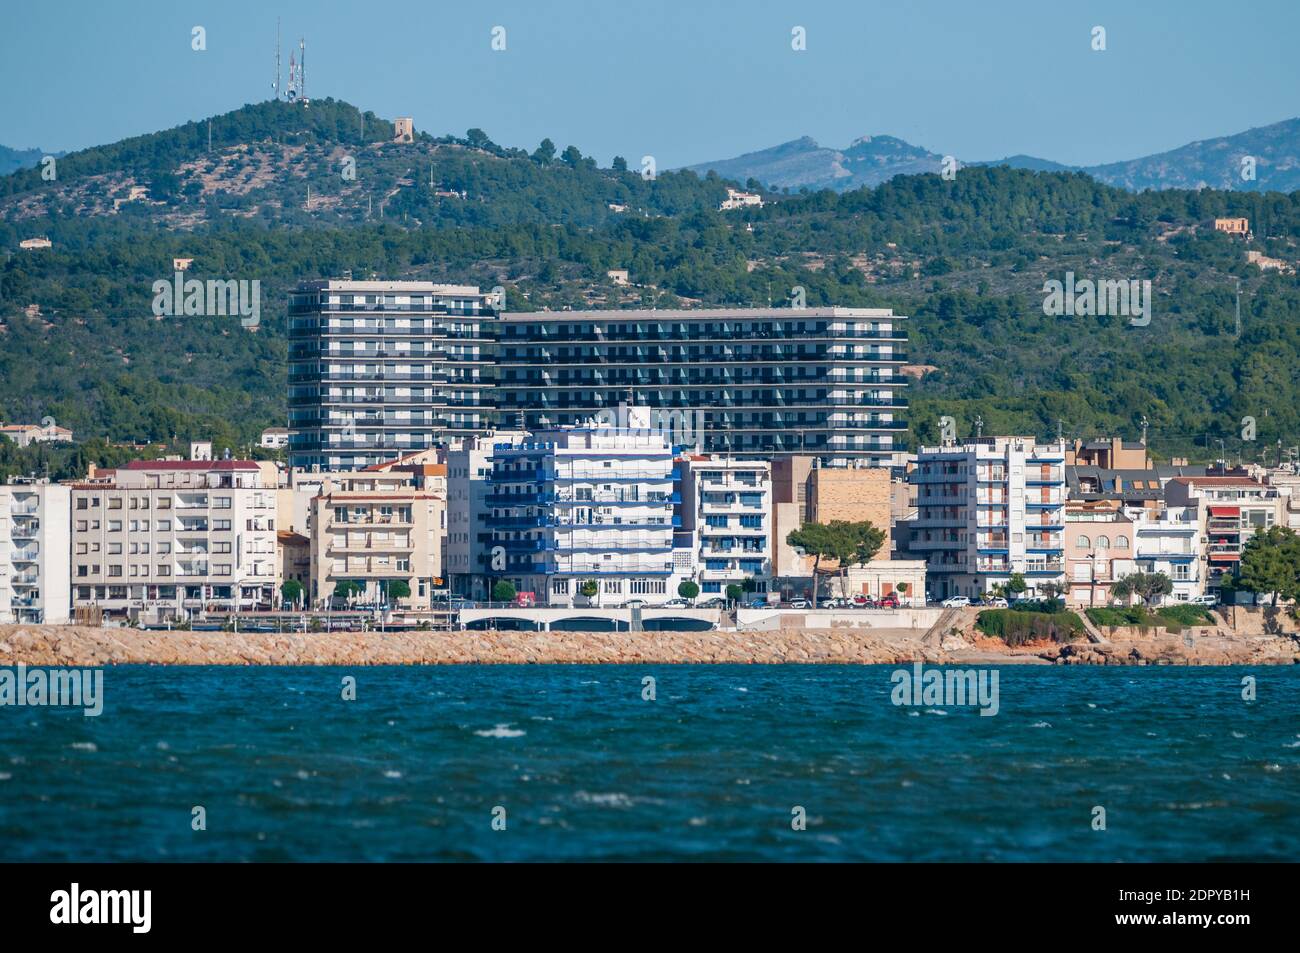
[[822, 381], [380, 368], [989, 509], [587, 504], [34, 567], [164, 539]]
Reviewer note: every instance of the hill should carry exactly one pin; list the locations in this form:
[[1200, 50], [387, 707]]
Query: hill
[[966, 259]]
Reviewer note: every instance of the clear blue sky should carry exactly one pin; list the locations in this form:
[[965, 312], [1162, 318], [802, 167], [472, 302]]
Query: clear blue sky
[[683, 80]]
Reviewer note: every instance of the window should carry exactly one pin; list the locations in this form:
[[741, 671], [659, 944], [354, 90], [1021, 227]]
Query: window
[[1121, 542], [1084, 543], [559, 587], [1103, 542]]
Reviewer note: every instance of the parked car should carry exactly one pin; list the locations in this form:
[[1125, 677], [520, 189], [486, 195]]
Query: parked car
[[798, 603], [837, 603], [676, 604], [759, 604], [889, 601], [863, 601], [956, 602], [715, 603], [1209, 600], [996, 602]]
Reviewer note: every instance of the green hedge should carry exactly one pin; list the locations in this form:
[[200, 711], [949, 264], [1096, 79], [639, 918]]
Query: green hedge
[[1174, 618], [1016, 628]]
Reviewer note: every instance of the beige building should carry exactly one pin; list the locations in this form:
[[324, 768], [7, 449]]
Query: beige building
[[26, 434], [803, 492], [1108, 453], [166, 539], [1233, 226], [901, 578], [373, 528]]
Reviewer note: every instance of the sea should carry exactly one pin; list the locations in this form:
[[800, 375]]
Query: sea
[[656, 763]]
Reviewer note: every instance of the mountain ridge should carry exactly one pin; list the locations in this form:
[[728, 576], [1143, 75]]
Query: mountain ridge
[[869, 160]]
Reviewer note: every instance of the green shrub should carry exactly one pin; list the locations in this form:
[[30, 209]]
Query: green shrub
[[1016, 627], [1186, 615]]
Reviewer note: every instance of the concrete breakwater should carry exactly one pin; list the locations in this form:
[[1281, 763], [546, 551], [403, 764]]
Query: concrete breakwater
[[90, 646]]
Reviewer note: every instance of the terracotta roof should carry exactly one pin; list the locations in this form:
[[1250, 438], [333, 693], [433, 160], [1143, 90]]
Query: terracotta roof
[[1219, 481]]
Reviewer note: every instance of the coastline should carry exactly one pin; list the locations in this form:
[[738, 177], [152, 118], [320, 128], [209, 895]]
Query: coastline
[[82, 646]]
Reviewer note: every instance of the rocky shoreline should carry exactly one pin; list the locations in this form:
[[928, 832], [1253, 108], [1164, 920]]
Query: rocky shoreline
[[88, 646]]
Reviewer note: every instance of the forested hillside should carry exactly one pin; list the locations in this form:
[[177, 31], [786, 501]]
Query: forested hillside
[[966, 259]]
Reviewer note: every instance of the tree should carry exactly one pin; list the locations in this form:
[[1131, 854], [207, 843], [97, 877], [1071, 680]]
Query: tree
[[291, 591], [1144, 585], [589, 588], [849, 544], [903, 588], [688, 589], [1015, 585], [545, 152], [620, 164], [503, 591], [398, 589], [346, 589], [572, 157], [734, 593], [1270, 563], [1053, 591]]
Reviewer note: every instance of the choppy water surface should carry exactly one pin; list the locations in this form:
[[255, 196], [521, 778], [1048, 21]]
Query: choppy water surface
[[711, 769]]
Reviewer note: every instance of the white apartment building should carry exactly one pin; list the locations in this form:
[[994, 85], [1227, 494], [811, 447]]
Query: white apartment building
[[1170, 541], [1235, 507], [988, 509], [588, 504], [34, 546], [169, 539], [727, 508]]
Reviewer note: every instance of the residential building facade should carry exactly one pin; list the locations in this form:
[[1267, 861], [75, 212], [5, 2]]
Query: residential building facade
[[161, 540], [987, 510], [34, 547], [584, 505], [727, 507], [380, 368]]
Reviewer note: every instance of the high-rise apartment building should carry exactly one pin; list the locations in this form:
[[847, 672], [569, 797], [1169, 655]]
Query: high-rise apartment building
[[822, 381], [381, 368]]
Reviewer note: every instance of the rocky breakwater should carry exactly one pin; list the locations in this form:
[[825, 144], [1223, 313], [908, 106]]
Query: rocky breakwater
[[90, 646]]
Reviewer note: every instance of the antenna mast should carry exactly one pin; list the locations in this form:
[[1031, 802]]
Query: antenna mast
[[275, 85]]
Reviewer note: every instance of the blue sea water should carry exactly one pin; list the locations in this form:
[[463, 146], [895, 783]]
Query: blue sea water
[[712, 769]]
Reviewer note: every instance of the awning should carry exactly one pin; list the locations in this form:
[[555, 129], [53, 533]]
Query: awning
[[1225, 511]]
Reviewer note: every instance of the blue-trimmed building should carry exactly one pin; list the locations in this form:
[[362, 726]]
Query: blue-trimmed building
[[593, 504]]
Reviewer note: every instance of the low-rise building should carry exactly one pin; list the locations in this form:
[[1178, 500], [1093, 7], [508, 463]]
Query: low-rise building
[[26, 434], [274, 438], [1099, 551], [374, 529], [738, 199], [1235, 507], [1171, 541], [168, 539]]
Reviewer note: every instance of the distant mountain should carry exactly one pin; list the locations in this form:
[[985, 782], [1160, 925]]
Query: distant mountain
[[802, 163], [12, 160], [1211, 163]]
